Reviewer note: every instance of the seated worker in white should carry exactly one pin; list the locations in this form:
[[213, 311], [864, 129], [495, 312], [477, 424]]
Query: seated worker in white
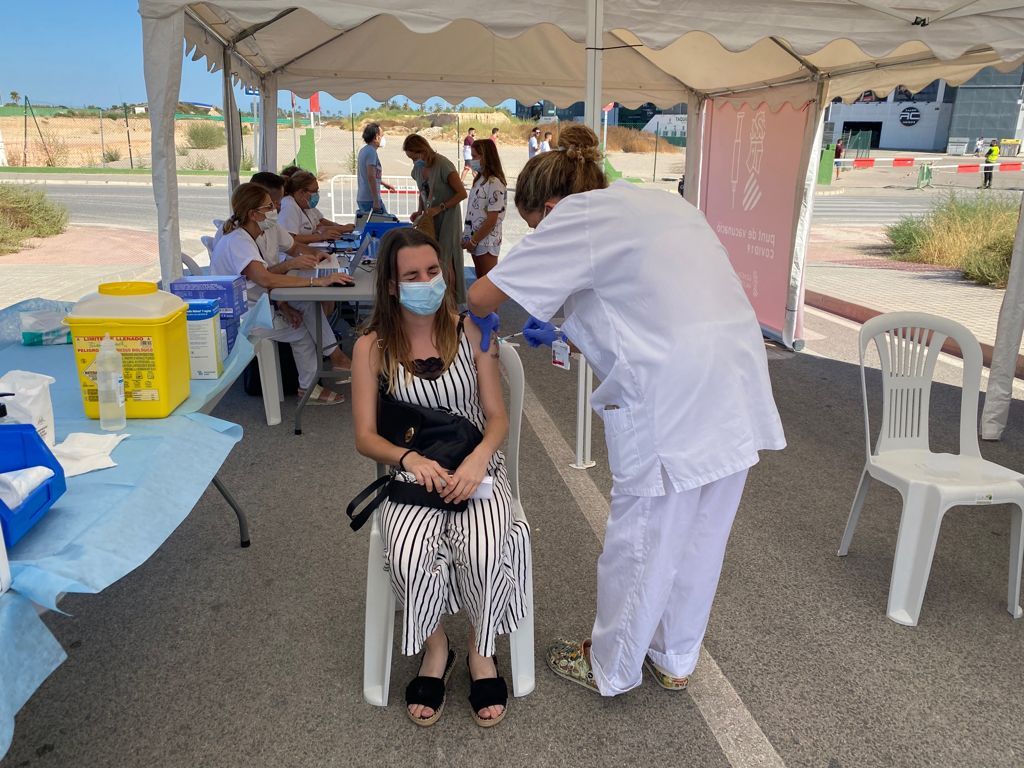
[[283, 247], [299, 214], [417, 349], [241, 252]]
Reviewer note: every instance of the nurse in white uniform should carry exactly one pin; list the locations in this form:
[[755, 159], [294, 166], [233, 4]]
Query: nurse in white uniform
[[653, 303], [245, 250]]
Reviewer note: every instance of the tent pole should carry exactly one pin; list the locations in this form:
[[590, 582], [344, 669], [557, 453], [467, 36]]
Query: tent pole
[[592, 118], [162, 65], [232, 127], [1007, 344]]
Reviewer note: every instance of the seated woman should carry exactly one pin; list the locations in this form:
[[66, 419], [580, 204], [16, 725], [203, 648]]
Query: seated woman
[[418, 350], [299, 214], [244, 250]]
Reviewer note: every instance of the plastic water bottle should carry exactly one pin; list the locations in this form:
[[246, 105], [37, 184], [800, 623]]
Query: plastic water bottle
[[110, 384]]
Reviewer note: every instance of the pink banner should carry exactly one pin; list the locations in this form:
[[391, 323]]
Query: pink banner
[[751, 163]]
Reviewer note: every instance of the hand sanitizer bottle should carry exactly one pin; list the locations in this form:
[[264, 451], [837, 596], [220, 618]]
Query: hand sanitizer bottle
[[110, 385]]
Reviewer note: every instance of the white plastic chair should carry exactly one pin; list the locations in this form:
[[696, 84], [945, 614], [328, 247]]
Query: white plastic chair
[[908, 345], [380, 598], [208, 243]]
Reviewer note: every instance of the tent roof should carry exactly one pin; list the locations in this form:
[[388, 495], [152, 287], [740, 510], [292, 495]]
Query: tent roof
[[653, 51]]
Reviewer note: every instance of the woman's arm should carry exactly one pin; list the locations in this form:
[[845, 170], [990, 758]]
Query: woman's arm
[[484, 229], [263, 277], [469, 474], [365, 370]]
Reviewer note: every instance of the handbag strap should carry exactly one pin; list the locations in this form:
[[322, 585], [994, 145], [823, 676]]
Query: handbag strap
[[378, 490]]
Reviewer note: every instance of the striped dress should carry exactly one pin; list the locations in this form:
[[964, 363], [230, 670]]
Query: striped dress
[[443, 562]]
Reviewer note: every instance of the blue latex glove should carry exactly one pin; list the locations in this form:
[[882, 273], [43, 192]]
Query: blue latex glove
[[487, 325], [537, 332]]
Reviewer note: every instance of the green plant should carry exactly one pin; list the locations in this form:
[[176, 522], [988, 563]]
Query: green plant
[[971, 233], [351, 161], [111, 155], [26, 212], [247, 163], [199, 163], [181, 150], [205, 135], [52, 148]]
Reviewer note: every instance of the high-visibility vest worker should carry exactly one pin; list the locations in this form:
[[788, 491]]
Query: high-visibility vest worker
[[993, 153]]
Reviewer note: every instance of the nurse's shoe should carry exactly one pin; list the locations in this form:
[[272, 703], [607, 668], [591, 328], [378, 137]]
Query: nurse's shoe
[[664, 679], [572, 661]]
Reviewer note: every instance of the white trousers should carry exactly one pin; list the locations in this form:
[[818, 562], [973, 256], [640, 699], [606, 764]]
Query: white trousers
[[303, 348], [656, 580]]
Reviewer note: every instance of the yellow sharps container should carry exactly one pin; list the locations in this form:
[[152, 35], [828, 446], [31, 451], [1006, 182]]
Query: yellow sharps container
[[151, 333]]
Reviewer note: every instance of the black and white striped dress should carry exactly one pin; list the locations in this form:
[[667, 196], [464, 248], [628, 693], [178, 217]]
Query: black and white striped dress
[[443, 562]]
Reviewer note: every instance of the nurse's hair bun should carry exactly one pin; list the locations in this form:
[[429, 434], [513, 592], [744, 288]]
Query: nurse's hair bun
[[579, 143]]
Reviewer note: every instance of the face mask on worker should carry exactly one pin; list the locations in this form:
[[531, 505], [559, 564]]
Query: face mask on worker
[[422, 298], [314, 198], [269, 220], [475, 165]]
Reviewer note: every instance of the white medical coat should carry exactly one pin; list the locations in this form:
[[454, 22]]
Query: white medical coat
[[653, 302], [298, 220], [276, 241], [234, 252]]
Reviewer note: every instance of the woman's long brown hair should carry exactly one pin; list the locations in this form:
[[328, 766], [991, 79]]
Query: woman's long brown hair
[[386, 318]]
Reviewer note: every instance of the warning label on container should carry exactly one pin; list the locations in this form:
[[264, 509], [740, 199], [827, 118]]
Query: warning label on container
[[138, 360]]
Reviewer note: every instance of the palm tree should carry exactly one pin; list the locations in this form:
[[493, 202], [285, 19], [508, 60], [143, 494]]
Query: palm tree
[[15, 97]]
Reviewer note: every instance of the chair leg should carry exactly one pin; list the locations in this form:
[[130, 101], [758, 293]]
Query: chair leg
[[858, 503], [915, 548], [1016, 555], [521, 644], [380, 624], [270, 381]]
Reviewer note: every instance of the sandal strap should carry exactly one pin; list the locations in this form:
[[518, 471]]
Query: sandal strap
[[429, 691], [488, 692], [426, 691]]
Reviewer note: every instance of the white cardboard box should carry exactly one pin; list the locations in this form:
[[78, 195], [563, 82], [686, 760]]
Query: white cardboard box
[[204, 338]]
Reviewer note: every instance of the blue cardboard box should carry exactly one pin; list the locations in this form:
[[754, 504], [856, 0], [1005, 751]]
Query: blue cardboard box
[[230, 325], [229, 289]]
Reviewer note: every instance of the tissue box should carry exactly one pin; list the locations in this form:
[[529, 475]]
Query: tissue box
[[21, 447], [228, 289], [230, 327], [203, 316]]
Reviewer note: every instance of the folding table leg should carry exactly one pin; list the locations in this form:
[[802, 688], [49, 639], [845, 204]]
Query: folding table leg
[[243, 523]]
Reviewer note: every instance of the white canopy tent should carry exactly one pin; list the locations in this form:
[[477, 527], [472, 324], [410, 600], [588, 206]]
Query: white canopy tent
[[630, 51]]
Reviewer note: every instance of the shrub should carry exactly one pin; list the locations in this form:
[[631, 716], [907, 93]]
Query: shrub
[[199, 163], [26, 212], [53, 150], [111, 155], [182, 150], [206, 135], [246, 162], [971, 233]]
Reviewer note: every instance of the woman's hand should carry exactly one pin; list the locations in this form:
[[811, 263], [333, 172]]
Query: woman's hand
[[336, 278], [304, 261], [415, 215], [469, 245], [465, 480], [428, 472]]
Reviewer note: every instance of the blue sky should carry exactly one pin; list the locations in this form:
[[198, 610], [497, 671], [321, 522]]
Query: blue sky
[[90, 52]]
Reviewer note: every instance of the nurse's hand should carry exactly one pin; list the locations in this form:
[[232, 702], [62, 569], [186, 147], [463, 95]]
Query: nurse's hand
[[537, 332], [487, 325], [465, 480], [428, 472]]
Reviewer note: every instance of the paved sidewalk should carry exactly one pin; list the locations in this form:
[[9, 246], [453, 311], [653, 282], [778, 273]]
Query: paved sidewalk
[[848, 276]]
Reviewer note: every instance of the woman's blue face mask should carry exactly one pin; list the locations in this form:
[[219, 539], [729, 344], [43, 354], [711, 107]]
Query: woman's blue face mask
[[314, 199], [422, 298]]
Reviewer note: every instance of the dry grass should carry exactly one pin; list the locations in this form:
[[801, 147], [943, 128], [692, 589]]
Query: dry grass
[[971, 233], [25, 213]]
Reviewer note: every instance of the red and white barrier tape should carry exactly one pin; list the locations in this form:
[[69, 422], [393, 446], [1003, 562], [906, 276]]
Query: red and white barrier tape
[[907, 162]]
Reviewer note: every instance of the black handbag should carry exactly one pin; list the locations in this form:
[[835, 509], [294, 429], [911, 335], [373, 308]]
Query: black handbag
[[438, 434]]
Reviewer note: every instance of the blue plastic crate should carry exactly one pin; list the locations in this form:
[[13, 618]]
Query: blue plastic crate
[[378, 228], [22, 447]]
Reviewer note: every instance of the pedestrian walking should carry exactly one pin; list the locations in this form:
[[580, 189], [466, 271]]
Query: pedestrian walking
[[467, 153]]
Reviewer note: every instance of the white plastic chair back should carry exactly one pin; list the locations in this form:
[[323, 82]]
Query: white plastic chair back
[[908, 345], [208, 243], [218, 223], [190, 266], [513, 366]]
